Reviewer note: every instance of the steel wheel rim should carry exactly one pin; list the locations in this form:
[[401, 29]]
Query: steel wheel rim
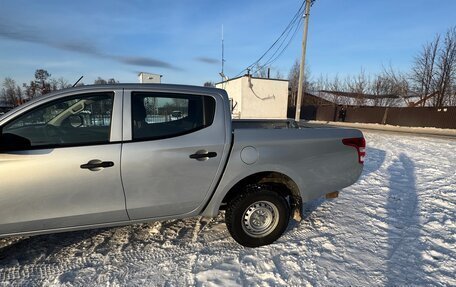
[[260, 219]]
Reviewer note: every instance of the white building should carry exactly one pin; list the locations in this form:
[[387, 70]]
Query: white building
[[147, 78], [257, 98]]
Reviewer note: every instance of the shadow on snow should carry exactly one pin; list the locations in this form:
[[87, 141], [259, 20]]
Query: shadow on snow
[[404, 257]]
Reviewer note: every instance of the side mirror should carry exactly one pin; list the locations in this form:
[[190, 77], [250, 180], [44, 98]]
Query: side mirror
[[9, 142]]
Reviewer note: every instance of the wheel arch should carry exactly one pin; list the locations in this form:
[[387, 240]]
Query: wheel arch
[[280, 182]]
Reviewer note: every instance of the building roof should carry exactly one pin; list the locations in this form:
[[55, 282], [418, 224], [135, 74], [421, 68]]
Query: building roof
[[146, 73], [366, 96], [252, 77], [358, 99]]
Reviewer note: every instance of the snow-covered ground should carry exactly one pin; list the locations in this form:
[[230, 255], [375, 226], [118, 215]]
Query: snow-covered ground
[[395, 226]]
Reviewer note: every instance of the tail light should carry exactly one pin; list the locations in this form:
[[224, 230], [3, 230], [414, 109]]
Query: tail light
[[359, 144]]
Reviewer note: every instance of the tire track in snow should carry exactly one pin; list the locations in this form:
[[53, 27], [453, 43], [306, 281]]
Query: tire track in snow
[[134, 258]]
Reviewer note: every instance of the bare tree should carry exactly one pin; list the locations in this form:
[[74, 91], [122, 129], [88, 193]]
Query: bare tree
[[446, 69], [209, 84], [379, 86], [338, 85], [260, 71], [359, 85], [59, 84], [11, 93], [100, 81], [423, 70], [265, 72], [387, 88], [19, 95], [279, 75], [391, 87], [30, 90], [434, 70], [293, 83], [452, 98], [324, 86]]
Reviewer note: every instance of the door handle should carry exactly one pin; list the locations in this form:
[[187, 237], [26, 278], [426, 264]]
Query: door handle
[[203, 155], [96, 164]]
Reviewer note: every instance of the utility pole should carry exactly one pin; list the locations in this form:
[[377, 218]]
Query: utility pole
[[303, 61]]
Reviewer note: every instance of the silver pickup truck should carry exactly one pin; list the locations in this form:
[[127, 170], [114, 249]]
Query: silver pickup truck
[[98, 156]]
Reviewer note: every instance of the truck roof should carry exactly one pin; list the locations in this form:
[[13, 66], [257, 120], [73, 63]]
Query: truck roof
[[131, 86], [167, 87]]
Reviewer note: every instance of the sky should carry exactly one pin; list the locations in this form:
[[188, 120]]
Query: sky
[[181, 39]]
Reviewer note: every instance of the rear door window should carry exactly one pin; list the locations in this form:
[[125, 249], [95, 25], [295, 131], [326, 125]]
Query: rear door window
[[159, 115]]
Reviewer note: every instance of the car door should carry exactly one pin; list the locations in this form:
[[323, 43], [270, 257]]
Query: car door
[[60, 164], [172, 152]]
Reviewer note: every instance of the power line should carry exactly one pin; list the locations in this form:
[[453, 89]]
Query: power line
[[280, 38], [289, 41], [296, 19], [272, 59]]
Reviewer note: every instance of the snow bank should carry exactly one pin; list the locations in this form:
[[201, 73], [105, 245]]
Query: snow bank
[[415, 130]]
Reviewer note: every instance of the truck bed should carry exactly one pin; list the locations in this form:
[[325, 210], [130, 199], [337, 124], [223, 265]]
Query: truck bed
[[264, 124]]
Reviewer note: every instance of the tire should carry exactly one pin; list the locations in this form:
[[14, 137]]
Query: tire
[[258, 216]]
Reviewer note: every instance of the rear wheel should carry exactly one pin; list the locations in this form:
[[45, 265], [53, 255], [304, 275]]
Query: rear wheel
[[258, 216]]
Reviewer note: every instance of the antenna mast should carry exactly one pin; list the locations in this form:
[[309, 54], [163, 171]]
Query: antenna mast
[[222, 74]]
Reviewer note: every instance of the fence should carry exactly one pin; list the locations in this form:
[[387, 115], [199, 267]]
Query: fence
[[410, 117]]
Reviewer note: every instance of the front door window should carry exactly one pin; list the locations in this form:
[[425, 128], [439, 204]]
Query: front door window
[[78, 120]]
